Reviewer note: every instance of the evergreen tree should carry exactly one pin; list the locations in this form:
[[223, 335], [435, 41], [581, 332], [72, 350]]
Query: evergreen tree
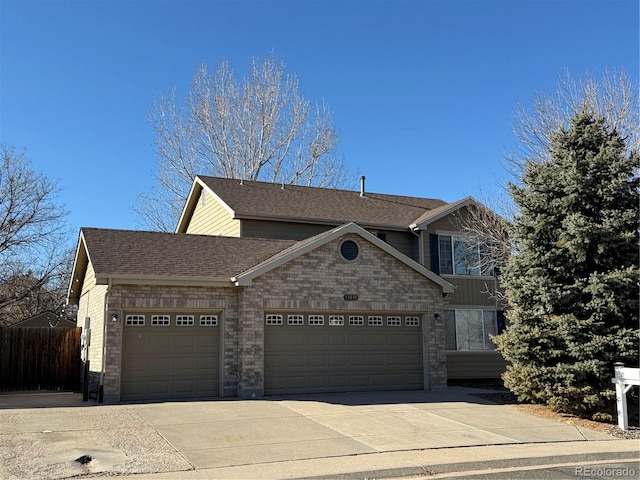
[[572, 282]]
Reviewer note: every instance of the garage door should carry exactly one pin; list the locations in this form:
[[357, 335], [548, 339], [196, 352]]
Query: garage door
[[170, 356], [340, 352]]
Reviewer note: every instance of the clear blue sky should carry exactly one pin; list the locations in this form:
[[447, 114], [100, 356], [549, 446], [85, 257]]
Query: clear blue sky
[[423, 91]]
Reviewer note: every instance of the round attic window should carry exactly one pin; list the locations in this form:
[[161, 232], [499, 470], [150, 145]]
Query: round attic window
[[349, 250]]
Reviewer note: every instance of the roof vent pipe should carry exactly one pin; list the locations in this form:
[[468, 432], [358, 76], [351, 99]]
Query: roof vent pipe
[[362, 186]]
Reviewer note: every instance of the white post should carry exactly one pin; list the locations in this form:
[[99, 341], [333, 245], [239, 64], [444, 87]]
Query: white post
[[621, 397], [625, 379]]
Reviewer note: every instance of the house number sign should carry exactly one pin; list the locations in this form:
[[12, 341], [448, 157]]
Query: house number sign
[[350, 297]]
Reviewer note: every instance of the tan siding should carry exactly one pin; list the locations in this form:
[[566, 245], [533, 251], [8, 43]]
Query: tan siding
[[211, 218], [92, 305], [447, 224], [453, 222], [463, 365], [471, 291], [406, 243], [281, 230]]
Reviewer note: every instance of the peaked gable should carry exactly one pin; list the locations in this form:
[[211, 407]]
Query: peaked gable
[[294, 203], [305, 246], [436, 214], [129, 256]]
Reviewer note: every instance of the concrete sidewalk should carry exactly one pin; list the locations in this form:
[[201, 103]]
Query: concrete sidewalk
[[354, 435]]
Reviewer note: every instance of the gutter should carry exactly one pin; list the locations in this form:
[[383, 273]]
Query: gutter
[[177, 281], [320, 221], [418, 234]]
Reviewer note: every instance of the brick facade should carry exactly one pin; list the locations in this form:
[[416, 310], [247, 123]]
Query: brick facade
[[317, 280]]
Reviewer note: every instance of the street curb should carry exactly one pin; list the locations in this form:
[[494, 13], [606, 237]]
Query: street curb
[[445, 468]]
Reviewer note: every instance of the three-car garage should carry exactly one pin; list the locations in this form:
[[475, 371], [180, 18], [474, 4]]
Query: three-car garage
[[169, 355]]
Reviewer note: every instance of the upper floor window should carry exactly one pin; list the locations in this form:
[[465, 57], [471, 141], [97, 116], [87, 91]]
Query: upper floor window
[[460, 255]]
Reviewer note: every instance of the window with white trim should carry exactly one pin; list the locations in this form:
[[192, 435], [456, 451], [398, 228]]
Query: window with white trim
[[336, 320], [469, 329], [273, 319], [461, 255], [160, 320], [295, 319], [412, 321], [185, 321], [208, 320], [134, 320], [375, 321], [394, 321], [356, 320], [316, 320]]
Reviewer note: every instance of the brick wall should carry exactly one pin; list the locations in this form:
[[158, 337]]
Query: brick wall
[[317, 280], [124, 298]]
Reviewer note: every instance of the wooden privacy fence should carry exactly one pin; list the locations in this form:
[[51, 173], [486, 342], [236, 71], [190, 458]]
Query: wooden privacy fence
[[40, 358]]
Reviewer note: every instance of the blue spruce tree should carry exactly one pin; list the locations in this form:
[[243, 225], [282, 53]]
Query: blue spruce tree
[[572, 282]]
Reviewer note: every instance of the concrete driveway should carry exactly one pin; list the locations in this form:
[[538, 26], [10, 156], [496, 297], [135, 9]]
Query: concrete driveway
[[205, 439]]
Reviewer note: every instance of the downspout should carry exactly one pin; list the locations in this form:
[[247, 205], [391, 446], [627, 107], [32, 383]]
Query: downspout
[[426, 371], [104, 343], [420, 245]]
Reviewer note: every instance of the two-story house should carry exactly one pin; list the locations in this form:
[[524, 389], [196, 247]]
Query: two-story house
[[274, 289]]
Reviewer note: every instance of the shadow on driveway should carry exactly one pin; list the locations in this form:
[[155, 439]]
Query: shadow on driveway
[[40, 399]]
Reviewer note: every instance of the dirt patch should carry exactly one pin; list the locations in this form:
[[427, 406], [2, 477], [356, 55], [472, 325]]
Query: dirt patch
[[111, 441]]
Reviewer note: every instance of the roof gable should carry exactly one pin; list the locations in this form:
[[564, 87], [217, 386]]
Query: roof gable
[[305, 246], [192, 199], [128, 256], [293, 203], [438, 213], [156, 258]]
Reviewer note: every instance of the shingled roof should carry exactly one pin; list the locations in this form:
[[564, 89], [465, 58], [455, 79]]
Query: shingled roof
[[260, 200], [140, 254]]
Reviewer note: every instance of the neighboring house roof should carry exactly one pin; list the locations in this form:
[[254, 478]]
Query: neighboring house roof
[[293, 203], [45, 319], [137, 257]]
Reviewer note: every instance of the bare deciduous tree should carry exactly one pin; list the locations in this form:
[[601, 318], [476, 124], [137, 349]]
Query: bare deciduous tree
[[614, 97], [34, 255], [260, 129], [482, 222]]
